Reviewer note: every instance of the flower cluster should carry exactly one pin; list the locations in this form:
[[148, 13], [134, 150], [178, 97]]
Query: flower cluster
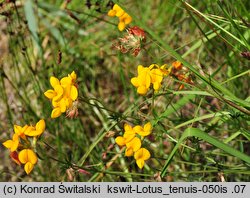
[[63, 95], [149, 75], [23, 143], [132, 41], [124, 18], [133, 143], [181, 73]]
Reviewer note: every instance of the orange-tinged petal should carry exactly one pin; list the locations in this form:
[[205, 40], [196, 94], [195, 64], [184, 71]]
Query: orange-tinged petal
[[28, 167], [18, 129], [54, 81], [128, 19], [14, 157], [27, 155], [112, 13], [23, 156], [50, 94], [56, 112], [129, 152], [32, 157], [120, 141], [73, 93]]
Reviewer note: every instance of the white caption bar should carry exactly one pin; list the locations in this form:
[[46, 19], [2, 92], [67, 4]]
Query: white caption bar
[[126, 190]]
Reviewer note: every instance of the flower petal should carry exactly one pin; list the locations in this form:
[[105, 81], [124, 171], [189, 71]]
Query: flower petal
[[50, 94], [28, 167], [135, 81], [129, 152], [65, 81], [54, 81], [135, 144], [73, 93], [40, 126], [23, 156], [112, 13], [121, 26], [142, 90], [140, 163], [73, 75], [56, 112], [120, 141]]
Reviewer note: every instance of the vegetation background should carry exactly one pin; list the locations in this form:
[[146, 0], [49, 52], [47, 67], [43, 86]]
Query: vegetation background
[[40, 38]]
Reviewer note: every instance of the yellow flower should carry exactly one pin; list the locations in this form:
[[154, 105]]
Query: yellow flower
[[143, 131], [120, 140], [64, 94], [147, 75], [128, 135], [132, 146], [142, 81], [57, 93], [36, 131], [141, 156], [29, 158], [12, 144], [124, 18], [20, 131]]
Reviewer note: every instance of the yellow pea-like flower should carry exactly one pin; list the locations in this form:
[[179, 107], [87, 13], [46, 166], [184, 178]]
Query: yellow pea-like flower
[[124, 18], [141, 156], [64, 94], [12, 144], [37, 130], [29, 158]]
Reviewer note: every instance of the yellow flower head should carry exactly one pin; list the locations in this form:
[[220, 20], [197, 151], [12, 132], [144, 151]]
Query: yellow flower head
[[37, 130], [20, 131], [21, 149], [133, 143], [142, 81], [64, 94], [128, 135], [29, 158], [12, 144], [141, 156], [147, 75], [143, 131], [124, 18]]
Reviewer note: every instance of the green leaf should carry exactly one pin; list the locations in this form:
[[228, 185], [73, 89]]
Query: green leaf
[[194, 132]]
